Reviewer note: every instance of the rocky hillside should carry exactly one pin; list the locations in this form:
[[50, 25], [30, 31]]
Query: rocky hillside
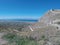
[[48, 26]]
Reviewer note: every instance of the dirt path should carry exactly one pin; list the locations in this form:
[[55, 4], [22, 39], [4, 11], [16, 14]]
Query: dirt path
[[2, 41]]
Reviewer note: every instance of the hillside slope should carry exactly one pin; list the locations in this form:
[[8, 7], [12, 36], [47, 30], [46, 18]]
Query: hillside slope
[[49, 26]]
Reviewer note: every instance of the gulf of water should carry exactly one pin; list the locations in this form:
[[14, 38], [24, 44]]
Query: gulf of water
[[20, 20]]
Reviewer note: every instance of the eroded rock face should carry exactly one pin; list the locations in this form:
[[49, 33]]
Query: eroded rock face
[[50, 16]]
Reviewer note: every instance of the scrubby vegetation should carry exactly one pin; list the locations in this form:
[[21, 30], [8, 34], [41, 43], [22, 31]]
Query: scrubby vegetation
[[4, 26], [19, 40], [16, 36]]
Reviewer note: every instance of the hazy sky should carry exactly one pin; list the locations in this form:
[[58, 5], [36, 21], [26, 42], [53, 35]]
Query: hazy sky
[[26, 8]]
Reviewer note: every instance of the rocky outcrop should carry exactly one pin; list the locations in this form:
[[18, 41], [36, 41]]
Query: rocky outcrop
[[50, 16]]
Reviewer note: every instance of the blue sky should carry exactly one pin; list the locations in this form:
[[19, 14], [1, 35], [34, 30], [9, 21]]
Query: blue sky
[[33, 9]]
